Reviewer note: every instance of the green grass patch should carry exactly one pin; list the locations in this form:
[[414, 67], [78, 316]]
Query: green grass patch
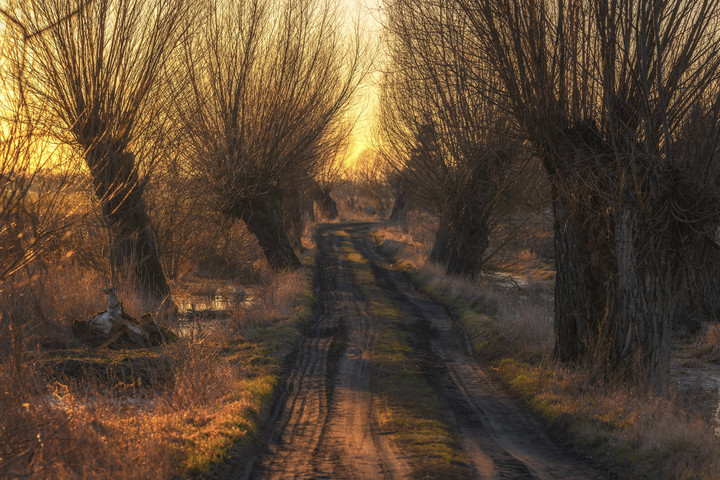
[[412, 413], [265, 357]]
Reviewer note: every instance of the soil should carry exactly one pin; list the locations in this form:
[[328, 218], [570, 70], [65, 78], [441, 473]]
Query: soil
[[328, 420]]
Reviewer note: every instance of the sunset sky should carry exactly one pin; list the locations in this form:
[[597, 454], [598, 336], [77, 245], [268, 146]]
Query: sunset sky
[[368, 12]]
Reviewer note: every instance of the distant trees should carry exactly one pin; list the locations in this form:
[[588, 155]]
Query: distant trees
[[620, 101], [328, 178], [445, 141], [25, 218], [270, 82], [97, 82]]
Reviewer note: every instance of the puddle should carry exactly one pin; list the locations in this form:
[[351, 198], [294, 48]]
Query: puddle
[[222, 299], [205, 307], [692, 375], [507, 280]]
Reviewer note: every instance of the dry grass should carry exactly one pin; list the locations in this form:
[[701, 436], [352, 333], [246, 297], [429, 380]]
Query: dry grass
[[59, 436], [147, 414], [641, 435], [709, 346], [524, 304], [509, 325], [273, 301]]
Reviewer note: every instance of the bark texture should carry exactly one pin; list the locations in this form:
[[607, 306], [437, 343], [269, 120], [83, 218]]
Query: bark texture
[[326, 204], [581, 245], [294, 211], [462, 238], [440, 252], [577, 292], [399, 212], [120, 192], [263, 218], [646, 303]]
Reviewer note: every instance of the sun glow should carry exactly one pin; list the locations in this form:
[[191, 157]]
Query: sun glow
[[366, 16]]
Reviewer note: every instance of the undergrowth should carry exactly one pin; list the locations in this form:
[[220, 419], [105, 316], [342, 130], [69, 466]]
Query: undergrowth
[[172, 411]]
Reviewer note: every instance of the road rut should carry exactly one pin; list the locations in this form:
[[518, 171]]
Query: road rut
[[328, 425]]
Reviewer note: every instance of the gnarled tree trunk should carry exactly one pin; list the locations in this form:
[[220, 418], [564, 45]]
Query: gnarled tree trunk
[[462, 238], [120, 192], [581, 251], [574, 319], [468, 243], [440, 252], [294, 208], [326, 204], [264, 220], [640, 329], [399, 212]]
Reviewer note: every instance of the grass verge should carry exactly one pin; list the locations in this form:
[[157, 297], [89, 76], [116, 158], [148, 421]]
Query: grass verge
[[637, 435], [175, 411]]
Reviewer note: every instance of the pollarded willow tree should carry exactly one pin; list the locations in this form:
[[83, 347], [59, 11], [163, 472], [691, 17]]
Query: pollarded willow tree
[[97, 80], [444, 140], [270, 82], [620, 100]]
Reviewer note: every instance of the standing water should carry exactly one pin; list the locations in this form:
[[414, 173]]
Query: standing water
[[690, 374], [209, 305]]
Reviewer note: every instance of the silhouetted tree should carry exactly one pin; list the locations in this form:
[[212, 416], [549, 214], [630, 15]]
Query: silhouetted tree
[[619, 99], [440, 136], [97, 78], [270, 82]]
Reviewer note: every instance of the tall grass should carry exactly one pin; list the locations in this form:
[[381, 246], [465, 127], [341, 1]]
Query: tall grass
[[73, 412], [273, 301], [57, 435]]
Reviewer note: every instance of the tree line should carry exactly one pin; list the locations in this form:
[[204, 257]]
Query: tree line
[[244, 103], [618, 101], [241, 108]]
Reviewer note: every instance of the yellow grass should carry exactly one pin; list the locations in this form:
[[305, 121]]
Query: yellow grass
[[161, 412]]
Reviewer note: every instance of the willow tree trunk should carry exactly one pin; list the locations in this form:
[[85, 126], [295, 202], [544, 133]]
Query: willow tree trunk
[[133, 247], [399, 212], [580, 293], [640, 329], [462, 238], [264, 220], [327, 205], [440, 252], [294, 208]]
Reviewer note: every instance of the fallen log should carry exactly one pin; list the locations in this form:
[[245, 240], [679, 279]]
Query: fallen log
[[114, 328]]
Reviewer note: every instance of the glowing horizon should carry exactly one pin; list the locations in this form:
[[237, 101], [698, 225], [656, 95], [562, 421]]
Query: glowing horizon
[[367, 12]]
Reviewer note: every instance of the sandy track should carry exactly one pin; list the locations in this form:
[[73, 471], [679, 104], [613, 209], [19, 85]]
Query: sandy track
[[328, 424]]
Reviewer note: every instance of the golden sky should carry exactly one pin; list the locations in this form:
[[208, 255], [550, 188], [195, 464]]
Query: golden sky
[[368, 12]]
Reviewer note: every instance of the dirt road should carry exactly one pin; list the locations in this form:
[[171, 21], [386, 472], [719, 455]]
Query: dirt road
[[349, 406]]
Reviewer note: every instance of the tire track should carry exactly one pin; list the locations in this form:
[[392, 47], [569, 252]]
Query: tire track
[[328, 427], [501, 440]]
